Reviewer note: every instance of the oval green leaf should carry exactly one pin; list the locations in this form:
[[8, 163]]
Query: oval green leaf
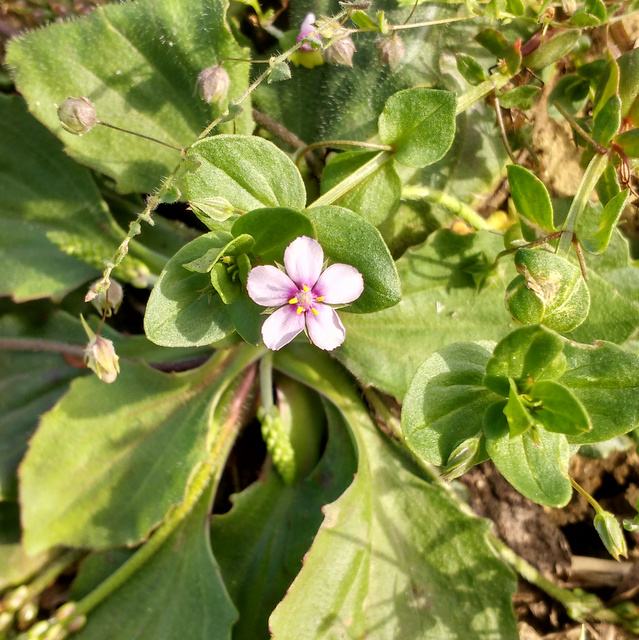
[[248, 171], [183, 310], [535, 463], [420, 124], [531, 197], [348, 238]]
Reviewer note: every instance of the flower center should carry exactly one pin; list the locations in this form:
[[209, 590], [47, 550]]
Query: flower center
[[305, 300]]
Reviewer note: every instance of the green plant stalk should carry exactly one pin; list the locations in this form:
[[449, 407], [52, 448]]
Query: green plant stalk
[[449, 202], [579, 604], [475, 94], [342, 188], [208, 471], [266, 381], [594, 170]]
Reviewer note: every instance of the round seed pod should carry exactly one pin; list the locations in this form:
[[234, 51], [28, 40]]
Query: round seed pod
[[550, 291]]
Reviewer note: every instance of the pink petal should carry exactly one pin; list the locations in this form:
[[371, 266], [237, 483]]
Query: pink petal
[[304, 259], [325, 330], [339, 284], [305, 30], [282, 326], [270, 287]]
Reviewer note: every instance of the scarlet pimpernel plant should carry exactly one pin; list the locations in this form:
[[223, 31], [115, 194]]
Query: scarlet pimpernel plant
[[189, 188]]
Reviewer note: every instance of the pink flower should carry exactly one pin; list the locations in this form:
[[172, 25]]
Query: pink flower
[[306, 30], [303, 294]]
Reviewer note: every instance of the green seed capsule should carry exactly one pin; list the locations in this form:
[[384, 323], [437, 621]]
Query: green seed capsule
[[549, 290]]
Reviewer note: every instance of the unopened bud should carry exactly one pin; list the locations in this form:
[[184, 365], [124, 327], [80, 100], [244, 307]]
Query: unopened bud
[[77, 115], [107, 302], [100, 356], [390, 50], [341, 52], [611, 534], [213, 84], [463, 457], [16, 598], [65, 611], [77, 624]]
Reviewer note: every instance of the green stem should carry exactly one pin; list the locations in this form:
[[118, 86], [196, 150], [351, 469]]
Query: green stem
[[342, 188], [449, 202], [578, 604], [475, 94], [266, 381], [139, 135], [582, 492], [595, 168]]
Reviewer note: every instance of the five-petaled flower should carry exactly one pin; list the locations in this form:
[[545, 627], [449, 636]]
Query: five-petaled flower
[[303, 295]]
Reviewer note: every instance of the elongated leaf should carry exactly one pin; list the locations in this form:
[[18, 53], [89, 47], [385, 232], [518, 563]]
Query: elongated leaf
[[272, 526], [138, 62], [530, 197], [56, 229], [420, 124], [446, 401], [535, 463], [248, 171], [178, 593], [598, 242], [560, 411], [393, 547], [134, 443], [552, 50], [440, 305], [607, 121], [183, 309]]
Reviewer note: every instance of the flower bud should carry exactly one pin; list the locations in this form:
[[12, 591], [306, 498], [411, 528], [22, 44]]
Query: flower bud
[[611, 534], [100, 356], [27, 614], [107, 302], [465, 456], [6, 621], [77, 115], [390, 50], [549, 291], [213, 84], [341, 52]]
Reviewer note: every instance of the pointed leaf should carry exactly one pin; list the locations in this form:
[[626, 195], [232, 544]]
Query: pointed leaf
[[552, 50], [517, 414], [607, 121], [598, 242], [560, 411], [530, 197]]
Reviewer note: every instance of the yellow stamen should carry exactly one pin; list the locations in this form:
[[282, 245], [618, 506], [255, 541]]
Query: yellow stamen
[[320, 299], [305, 288], [315, 311], [300, 310], [293, 301]]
